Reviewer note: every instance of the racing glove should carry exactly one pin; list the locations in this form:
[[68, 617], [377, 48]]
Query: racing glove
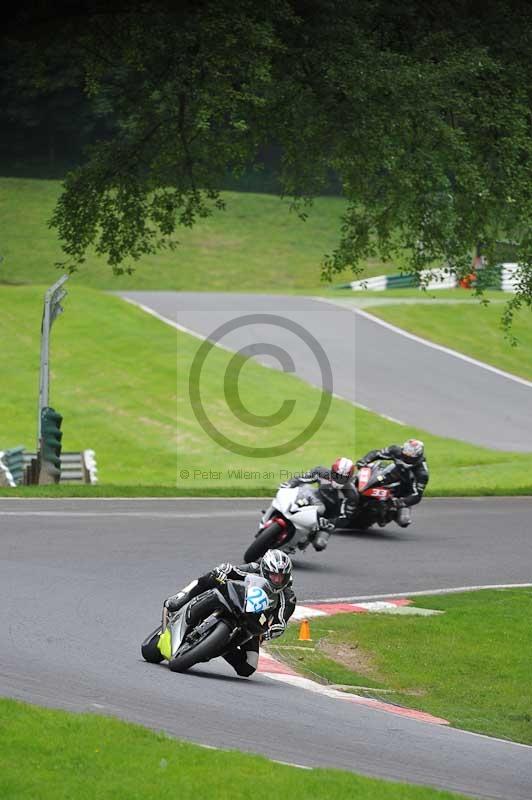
[[302, 501], [325, 524], [219, 575]]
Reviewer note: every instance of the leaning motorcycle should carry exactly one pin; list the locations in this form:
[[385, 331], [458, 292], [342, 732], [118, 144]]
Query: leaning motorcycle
[[289, 524], [378, 485], [211, 624]]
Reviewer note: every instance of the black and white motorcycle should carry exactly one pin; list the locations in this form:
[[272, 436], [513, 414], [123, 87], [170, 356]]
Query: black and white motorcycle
[[211, 624], [289, 524]]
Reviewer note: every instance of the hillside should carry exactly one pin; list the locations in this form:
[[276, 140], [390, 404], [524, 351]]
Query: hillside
[[256, 244]]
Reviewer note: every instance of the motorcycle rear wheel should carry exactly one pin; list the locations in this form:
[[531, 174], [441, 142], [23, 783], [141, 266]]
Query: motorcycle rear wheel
[[266, 539], [210, 646]]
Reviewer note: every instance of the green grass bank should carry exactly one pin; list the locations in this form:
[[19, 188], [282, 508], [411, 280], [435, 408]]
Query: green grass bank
[[470, 665], [256, 244], [472, 329], [52, 755]]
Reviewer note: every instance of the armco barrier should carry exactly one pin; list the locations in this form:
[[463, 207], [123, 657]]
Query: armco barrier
[[18, 466], [14, 461], [401, 281], [75, 467], [501, 276], [6, 478], [509, 277]]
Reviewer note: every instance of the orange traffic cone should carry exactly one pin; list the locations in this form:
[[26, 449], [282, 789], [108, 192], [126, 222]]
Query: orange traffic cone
[[304, 631]]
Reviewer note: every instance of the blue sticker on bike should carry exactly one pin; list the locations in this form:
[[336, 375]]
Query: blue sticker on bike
[[256, 600]]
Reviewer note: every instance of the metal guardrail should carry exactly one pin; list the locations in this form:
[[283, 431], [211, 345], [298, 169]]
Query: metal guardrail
[[18, 466], [501, 276], [6, 478], [75, 467], [14, 461]]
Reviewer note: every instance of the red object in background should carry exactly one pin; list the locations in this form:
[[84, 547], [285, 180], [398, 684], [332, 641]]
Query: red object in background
[[468, 281]]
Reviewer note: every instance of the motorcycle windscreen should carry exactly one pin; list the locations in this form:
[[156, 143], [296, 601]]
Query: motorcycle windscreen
[[257, 596], [256, 600]]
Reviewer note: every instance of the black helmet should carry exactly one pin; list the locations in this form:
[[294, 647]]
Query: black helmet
[[276, 567], [412, 451]]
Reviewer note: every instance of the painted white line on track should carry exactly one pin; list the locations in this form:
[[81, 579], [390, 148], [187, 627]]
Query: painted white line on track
[[273, 760], [171, 322], [151, 497], [494, 738], [447, 350], [140, 514], [183, 329], [393, 419], [424, 592]]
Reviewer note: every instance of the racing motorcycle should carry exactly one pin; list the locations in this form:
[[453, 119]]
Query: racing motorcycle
[[378, 484], [289, 524], [211, 624]]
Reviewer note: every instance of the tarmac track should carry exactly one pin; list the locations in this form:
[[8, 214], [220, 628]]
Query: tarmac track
[[373, 366], [83, 582]]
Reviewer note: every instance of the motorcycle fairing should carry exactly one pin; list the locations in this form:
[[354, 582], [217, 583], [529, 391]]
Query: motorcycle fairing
[[304, 517]]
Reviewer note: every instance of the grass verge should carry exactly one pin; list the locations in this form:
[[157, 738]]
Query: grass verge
[[53, 755], [120, 379], [256, 244], [472, 329], [470, 665]]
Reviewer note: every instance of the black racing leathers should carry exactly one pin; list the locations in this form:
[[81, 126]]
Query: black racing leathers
[[336, 501], [413, 477], [243, 658]]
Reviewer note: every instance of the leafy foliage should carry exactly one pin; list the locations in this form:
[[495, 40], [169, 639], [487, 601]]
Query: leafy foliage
[[422, 112]]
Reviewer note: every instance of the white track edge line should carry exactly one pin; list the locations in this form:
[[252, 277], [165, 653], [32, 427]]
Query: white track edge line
[[146, 514], [449, 351], [422, 593], [273, 760], [171, 322]]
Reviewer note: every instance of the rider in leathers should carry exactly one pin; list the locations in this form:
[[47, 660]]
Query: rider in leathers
[[337, 492], [243, 658], [414, 474]]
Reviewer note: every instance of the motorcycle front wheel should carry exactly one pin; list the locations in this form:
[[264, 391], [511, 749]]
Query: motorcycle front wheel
[[211, 645], [265, 540]]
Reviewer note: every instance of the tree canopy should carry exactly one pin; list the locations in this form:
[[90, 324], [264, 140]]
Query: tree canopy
[[422, 112]]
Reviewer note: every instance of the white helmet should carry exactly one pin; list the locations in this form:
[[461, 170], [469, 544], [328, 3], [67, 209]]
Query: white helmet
[[412, 451], [341, 472], [276, 567]]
